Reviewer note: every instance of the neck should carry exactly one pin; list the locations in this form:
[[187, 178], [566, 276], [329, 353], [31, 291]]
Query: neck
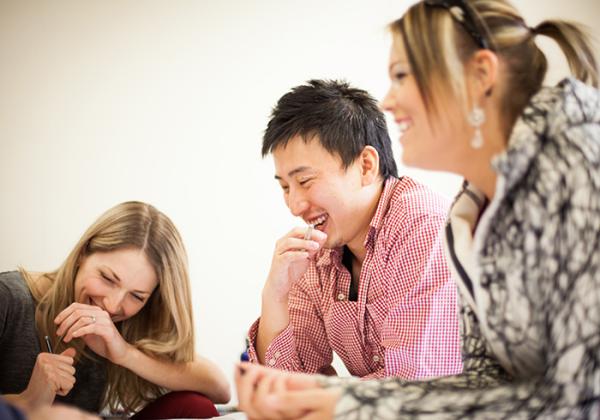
[[478, 164], [357, 244]]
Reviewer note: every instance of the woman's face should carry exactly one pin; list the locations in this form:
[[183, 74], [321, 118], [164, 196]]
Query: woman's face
[[120, 282], [427, 142]]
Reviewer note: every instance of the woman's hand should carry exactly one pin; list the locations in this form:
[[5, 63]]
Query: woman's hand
[[266, 393], [95, 327], [52, 374], [62, 412]]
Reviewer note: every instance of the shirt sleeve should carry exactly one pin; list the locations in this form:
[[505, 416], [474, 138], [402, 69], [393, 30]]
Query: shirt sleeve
[[8, 412], [303, 345], [421, 334]]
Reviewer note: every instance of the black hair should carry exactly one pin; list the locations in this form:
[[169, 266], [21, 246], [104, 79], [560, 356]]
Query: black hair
[[342, 118]]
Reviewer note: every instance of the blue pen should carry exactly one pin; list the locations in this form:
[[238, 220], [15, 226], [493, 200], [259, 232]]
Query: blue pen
[[244, 357]]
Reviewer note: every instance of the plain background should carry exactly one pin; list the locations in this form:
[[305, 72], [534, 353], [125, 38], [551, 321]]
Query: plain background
[[104, 101]]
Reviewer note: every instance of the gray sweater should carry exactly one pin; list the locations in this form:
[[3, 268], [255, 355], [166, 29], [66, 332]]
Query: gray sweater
[[19, 347]]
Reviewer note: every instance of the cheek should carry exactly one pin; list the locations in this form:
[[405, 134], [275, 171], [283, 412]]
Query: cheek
[[132, 308], [91, 287]]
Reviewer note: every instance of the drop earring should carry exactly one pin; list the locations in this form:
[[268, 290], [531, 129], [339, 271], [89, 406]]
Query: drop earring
[[476, 118]]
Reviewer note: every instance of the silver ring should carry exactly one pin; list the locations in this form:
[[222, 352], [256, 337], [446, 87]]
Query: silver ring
[[93, 319]]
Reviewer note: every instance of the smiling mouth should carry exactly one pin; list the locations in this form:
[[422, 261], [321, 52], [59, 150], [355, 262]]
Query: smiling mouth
[[403, 126], [319, 221]]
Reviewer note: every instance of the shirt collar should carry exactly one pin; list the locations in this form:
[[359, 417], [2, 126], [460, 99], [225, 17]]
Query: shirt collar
[[381, 210]]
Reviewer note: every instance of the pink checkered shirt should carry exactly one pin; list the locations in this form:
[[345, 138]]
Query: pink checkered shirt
[[405, 321]]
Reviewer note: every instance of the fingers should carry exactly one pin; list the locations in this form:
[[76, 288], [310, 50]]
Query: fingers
[[304, 231], [287, 244], [310, 404], [95, 328], [75, 320], [72, 308], [261, 391], [245, 380], [69, 353], [300, 382], [55, 370], [60, 412]]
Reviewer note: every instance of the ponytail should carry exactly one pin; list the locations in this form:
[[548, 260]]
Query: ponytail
[[575, 45]]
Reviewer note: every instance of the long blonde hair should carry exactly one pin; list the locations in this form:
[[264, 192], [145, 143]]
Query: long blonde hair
[[438, 46], [163, 328]]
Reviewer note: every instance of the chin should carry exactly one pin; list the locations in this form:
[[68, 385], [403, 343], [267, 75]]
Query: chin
[[413, 161]]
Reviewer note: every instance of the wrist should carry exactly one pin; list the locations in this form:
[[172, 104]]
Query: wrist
[[273, 295], [23, 401], [129, 356]]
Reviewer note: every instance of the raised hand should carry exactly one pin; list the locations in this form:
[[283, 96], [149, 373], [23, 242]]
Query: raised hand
[[290, 260], [52, 374], [96, 328]]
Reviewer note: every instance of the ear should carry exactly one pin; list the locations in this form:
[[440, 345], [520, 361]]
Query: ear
[[482, 75], [369, 165]]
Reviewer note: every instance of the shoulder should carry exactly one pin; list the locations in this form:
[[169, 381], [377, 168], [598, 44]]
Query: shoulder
[[414, 203], [554, 148], [13, 284], [567, 119], [569, 159], [14, 291]]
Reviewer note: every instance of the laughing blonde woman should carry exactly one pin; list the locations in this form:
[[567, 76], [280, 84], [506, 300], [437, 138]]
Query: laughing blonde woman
[[113, 326]]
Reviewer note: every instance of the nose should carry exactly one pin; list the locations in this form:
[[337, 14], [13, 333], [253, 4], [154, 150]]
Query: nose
[[388, 102], [296, 201], [113, 302]]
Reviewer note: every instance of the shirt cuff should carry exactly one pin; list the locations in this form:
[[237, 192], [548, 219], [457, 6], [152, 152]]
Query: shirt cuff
[[280, 354]]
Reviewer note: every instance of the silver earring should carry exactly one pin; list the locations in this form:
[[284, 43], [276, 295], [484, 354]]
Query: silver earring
[[476, 118]]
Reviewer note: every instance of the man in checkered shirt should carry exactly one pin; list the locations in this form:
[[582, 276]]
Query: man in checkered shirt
[[369, 281]]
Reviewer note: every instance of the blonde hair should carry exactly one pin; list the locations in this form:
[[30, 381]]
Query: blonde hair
[[437, 46], [163, 328]]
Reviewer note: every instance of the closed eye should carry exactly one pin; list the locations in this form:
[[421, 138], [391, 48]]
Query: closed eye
[[137, 297], [106, 278], [304, 182]]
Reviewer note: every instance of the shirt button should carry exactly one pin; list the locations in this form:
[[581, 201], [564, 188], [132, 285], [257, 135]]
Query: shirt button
[[277, 354], [341, 296], [376, 358], [271, 362]]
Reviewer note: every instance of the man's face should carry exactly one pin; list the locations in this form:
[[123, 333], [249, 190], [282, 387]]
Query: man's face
[[319, 190]]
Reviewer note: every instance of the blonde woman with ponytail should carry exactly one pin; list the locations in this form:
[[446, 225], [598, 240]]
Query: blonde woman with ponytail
[[112, 327], [523, 234]]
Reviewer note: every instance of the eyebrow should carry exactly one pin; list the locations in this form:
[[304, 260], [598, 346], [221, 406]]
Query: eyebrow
[[397, 62], [294, 172], [142, 292]]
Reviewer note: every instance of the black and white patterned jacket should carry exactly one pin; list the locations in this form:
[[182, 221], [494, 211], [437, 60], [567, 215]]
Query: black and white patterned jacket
[[529, 279]]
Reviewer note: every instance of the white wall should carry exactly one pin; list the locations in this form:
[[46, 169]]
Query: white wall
[[166, 102]]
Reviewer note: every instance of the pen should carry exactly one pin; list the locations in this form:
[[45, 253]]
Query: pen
[[48, 345], [244, 357]]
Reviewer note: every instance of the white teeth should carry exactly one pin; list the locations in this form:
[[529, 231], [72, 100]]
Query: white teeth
[[318, 221], [403, 126]]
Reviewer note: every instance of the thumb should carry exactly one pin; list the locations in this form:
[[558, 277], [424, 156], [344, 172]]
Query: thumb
[[70, 352]]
